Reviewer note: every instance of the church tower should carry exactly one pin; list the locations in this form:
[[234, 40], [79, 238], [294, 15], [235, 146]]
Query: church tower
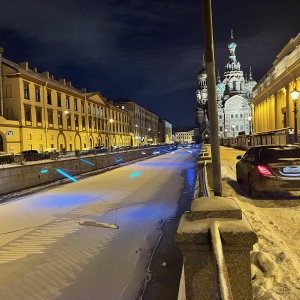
[[234, 80], [201, 107]]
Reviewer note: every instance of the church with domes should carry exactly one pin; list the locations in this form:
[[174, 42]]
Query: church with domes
[[233, 96]]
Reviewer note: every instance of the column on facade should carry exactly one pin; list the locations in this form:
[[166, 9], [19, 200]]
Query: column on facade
[[289, 120], [275, 108]]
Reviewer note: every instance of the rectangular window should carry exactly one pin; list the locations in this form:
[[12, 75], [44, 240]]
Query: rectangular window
[[75, 104], [26, 90], [49, 99], [90, 123], [89, 109], [83, 122], [67, 102], [58, 100], [8, 93], [37, 94], [231, 116], [27, 113], [68, 120], [76, 121], [82, 107], [39, 115], [50, 116], [59, 115], [94, 110]]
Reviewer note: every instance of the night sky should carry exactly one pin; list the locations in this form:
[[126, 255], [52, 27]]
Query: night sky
[[147, 51]]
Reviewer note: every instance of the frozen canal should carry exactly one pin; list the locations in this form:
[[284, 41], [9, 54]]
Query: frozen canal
[[46, 254]]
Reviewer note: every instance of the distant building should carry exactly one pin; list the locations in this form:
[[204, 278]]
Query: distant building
[[165, 131], [183, 134], [143, 122], [233, 95]]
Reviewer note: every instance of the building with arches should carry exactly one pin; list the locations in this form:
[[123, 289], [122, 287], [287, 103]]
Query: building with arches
[[39, 112]]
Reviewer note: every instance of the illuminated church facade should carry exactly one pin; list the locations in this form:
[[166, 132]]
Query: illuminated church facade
[[233, 96]]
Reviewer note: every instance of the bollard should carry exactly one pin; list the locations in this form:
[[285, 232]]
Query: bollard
[[194, 239], [21, 159]]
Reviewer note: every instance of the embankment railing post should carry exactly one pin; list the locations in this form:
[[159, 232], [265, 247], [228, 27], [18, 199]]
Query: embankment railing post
[[237, 237]]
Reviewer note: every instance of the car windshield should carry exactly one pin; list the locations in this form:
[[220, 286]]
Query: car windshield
[[273, 154]]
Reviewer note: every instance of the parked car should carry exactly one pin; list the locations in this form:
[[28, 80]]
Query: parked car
[[30, 155], [6, 158], [100, 149], [49, 152], [86, 151], [269, 168]]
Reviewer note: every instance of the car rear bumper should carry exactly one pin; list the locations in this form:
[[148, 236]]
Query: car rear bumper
[[270, 183]]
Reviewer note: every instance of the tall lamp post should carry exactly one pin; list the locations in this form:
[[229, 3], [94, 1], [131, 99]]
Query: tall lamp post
[[232, 130], [250, 124], [295, 95]]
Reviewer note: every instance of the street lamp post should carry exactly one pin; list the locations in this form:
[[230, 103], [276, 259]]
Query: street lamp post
[[250, 124], [232, 130], [295, 95]]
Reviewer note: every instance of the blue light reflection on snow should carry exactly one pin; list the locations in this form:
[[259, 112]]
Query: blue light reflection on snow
[[44, 171], [135, 174], [118, 160], [156, 152], [86, 161], [66, 175]]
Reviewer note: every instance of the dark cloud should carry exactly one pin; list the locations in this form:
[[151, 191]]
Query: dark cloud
[[149, 51]]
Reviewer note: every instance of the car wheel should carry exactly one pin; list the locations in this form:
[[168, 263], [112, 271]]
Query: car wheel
[[253, 193], [238, 179]]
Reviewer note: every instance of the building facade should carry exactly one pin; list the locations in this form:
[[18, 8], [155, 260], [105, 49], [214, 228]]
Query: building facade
[[272, 105], [183, 134], [165, 131], [39, 112], [143, 124], [233, 96]]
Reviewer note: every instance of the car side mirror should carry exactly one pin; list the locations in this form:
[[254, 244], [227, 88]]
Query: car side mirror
[[239, 157]]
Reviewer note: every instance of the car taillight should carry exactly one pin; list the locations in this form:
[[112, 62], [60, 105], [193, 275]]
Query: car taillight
[[263, 170]]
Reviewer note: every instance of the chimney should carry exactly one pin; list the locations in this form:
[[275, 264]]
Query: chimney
[[52, 77], [24, 65], [69, 83], [35, 70], [46, 74], [62, 81], [83, 90]]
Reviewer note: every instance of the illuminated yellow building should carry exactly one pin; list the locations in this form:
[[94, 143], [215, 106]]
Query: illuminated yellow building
[[272, 104], [143, 123], [39, 112]]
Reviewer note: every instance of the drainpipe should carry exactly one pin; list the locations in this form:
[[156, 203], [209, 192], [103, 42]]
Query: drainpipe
[[1, 84], [45, 110]]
